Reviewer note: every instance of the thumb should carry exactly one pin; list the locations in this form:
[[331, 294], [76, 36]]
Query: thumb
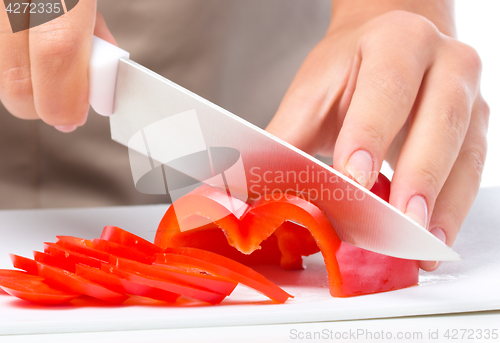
[[101, 30]]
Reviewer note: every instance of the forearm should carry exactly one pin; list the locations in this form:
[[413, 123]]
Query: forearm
[[346, 13]]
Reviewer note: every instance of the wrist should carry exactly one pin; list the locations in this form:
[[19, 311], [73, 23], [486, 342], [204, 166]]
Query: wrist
[[349, 14]]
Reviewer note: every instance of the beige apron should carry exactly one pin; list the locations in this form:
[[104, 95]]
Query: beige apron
[[239, 54]]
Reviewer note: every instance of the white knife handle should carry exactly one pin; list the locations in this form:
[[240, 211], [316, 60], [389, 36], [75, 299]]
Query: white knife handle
[[103, 69]]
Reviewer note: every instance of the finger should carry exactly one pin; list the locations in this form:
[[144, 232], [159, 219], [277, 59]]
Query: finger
[[439, 126], [461, 187], [386, 87], [16, 92], [60, 53]]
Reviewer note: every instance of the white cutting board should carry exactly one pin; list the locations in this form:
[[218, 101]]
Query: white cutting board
[[470, 285]]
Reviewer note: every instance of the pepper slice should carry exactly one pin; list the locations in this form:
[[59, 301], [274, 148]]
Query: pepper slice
[[120, 236], [110, 281], [177, 273], [167, 285], [69, 281], [69, 255], [224, 267], [82, 246], [138, 288], [53, 261], [120, 250], [24, 263], [32, 288]]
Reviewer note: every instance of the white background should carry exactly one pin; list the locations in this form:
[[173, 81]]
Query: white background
[[478, 25]]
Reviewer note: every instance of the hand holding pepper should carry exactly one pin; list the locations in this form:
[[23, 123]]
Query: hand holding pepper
[[390, 81]]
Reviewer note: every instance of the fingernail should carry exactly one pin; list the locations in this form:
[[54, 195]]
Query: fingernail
[[433, 265], [66, 129], [360, 167], [417, 209], [440, 234]]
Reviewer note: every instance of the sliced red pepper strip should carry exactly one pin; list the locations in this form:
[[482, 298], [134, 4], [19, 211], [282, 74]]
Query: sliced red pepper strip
[[120, 236], [109, 281], [69, 281], [24, 263], [137, 288], [224, 267], [9, 273], [32, 288], [175, 273], [191, 292], [121, 251], [82, 246], [70, 256], [53, 261]]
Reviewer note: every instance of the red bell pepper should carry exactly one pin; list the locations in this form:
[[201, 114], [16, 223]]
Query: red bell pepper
[[294, 226]]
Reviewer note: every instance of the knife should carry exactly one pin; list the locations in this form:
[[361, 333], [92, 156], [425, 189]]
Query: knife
[[176, 139]]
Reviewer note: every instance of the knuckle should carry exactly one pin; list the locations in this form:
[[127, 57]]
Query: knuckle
[[374, 133], [16, 84], [483, 110], [453, 117], [392, 87], [453, 126], [468, 56], [428, 176], [454, 217], [475, 156], [413, 25], [422, 27], [402, 30], [484, 107], [472, 59]]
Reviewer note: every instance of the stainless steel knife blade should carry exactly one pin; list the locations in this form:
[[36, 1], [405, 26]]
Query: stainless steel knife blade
[[165, 122]]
